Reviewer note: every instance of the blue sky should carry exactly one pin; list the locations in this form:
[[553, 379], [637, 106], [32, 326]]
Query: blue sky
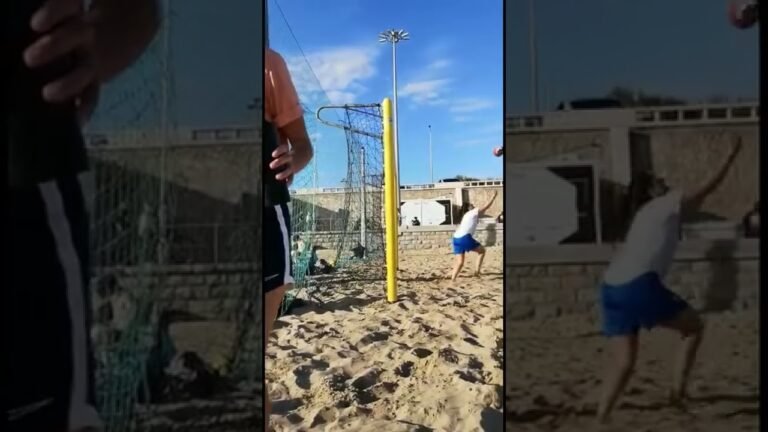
[[684, 48], [450, 76]]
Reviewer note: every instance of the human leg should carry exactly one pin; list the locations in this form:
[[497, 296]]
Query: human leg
[[458, 263], [624, 348], [480, 251], [277, 276], [50, 379], [691, 327]]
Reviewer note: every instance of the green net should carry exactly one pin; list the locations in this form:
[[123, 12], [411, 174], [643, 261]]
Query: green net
[[343, 224], [174, 238]]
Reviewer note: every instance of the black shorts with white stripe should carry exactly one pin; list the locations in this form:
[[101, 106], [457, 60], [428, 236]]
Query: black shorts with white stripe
[[49, 380], [276, 247]]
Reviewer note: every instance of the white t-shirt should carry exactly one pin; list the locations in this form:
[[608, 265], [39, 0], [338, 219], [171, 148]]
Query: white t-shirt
[[468, 223], [651, 242]]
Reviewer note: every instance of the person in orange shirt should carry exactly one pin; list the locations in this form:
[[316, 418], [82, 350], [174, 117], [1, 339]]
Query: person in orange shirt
[[287, 150]]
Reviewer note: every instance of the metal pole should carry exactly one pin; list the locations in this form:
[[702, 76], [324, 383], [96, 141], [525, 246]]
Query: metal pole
[[395, 128], [362, 197], [216, 243], [161, 208], [533, 57], [431, 172]]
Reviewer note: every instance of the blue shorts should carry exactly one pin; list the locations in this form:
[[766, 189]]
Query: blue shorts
[[642, 302], [464, 244]]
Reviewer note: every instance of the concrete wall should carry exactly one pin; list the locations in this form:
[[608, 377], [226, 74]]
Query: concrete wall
[[420, 238], [687, 156], [546, 282]]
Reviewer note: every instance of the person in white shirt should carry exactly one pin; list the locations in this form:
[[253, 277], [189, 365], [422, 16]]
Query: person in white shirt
[[463, 240], [633, 294]]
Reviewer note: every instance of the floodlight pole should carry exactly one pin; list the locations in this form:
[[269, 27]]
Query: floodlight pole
[[394, 36]]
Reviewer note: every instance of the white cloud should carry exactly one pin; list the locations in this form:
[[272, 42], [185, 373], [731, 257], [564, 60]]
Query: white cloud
[[340, 71], [440, 64], [470, 105], [426, 91]]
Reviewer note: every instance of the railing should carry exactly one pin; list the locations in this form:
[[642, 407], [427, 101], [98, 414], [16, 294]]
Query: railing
[[182, 137], [683, 115]]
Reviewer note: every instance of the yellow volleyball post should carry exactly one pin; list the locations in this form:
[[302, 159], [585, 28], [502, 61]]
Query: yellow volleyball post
[[390, 206]]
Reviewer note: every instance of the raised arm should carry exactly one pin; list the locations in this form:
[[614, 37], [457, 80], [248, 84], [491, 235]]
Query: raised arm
[[487, 205], [288, 116], [693, 201]]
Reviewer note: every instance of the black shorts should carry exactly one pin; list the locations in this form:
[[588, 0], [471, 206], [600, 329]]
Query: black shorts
[[276, 247], [49, 381]]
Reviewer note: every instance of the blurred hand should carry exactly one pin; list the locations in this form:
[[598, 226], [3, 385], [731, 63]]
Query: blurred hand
[[283, 157], [64, 33]]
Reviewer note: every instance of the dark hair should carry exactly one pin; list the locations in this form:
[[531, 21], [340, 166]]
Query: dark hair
[[638, 193]]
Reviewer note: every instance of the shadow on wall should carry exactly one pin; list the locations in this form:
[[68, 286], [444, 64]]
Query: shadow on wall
[[723, 288], [490, 236]]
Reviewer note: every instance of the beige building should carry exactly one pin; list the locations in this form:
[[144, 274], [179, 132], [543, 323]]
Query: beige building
[[684, 144]]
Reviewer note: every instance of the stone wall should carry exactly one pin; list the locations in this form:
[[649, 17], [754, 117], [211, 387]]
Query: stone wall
[[546, 282], [418, 238], [213, 292]]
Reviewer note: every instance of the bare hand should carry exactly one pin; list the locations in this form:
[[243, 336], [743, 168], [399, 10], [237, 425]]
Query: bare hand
[[283, 157], [64, 33]]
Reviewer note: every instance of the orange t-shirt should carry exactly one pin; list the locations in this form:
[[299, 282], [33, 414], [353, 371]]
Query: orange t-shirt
[[281, 102]]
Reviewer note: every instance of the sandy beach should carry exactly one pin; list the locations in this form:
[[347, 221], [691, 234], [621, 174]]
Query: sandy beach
[[432, 361], [554, 367]]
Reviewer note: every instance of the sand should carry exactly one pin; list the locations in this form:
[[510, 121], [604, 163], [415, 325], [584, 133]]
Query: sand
[[554, 367], [432, 361]]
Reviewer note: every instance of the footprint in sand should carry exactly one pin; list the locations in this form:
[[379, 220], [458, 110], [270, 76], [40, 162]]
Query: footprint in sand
[[302, 374], [421, 352], [472, 341], [468, 331], [471, 376], [366, 379], [405, 369], [320, 365], [336, 382], [373, 337], [474, 363], [448, 355]]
